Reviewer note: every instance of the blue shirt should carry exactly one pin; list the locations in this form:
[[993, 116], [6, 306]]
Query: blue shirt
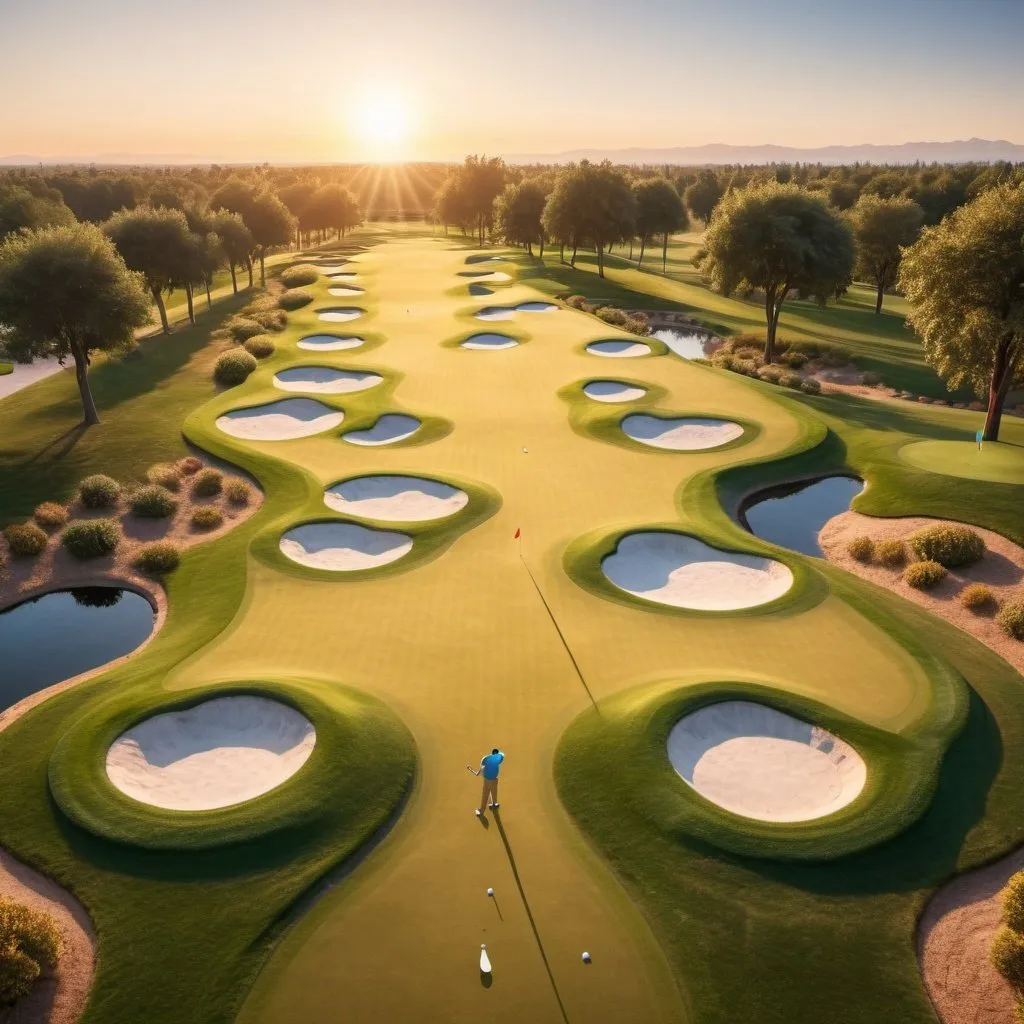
[[490, 764]]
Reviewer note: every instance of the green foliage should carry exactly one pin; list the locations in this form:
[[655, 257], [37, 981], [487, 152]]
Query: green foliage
[[91, 538], [207, 483], [635, 323], [977, 597], [331, 207], [467, 196], [233, 367], [50, 515], [1011, 619], [861, 548], [153, 502], [190, 465], [294, 298], [235, 238], [260, 346], [30, 946], [703, 195], [207, 518], [299, 275], [99, 491], [1013, 902], [157, 559], [891, 553], [881, 229], [238, 492], [810, 387], [26, 540], [659, 211], [1006, 955], [518, 211], [949, 544], [241, 328], [20, 210], [165, 474], [924, 575]]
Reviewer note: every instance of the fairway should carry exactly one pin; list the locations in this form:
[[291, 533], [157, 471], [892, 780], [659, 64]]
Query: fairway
[[996, 462]]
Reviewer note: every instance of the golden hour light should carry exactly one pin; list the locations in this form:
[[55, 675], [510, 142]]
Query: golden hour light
[[381, 125]]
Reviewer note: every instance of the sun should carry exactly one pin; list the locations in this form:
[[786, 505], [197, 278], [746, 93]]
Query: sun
[[382, 122]]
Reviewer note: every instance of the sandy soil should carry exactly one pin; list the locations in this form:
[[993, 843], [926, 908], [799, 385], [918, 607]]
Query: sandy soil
[[612, 391], [222, 752], [1002, 569], [672, 568], [280, 421], [685, 434], [619, 349], [954, 936], [757, 761], [343, 547], [401, 499]]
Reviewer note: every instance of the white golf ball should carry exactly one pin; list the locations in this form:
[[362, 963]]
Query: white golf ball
[[490, 892], [586, 958]]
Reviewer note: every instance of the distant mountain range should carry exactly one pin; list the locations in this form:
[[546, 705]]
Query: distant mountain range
[[963, 151]]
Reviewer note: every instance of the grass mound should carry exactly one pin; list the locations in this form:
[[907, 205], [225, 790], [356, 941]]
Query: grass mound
[[299, 275], [260, 346], [158, 559], [207, 483], [238, 492], [50, 515], [92, 538], [233, 368], [948, 544], [26, 540], [166, 475], [99, 491], [153, 502], [294, 298], [207, 518]]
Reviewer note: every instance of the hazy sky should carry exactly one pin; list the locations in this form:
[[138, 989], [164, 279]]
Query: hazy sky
[[333, 80]]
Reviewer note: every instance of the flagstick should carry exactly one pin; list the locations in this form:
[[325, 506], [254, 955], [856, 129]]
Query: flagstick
[[554, 621]]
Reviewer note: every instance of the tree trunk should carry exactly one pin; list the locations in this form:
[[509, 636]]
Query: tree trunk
[[529, 249], [541, 256], [561, 252], [158, 299], [188, 300], [1003, 370], [209, 298], [600, 260], [631, 250], [878, 299], [248, 266], [234, 279], [572, 262], [263, 272], [772, 308], [643, 245], [81, 357], [664, 254]]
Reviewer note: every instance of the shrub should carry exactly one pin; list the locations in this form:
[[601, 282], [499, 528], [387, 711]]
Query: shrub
[[977, 597], [166, 475], [261, 346], [1006, 955], [30, 944], [611, 315], [51, 515], [771, 374], [861, 548], [26, 540], [91, 538], [836, 355], [871, 380], [238, 491], [924, 575], [241, 328], [207, 518], [1013, 902], [1011, 619], [190, 465], [156, 559], [810, 387], [794, 360], [790, 380], [297, 276], [153, 502], [891, 553], [271, 319], [99, 491], [948, 544], [207, 483], [294, 298], [578, 302], [233, 367]]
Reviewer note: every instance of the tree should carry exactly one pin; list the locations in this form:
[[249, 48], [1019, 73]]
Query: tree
[[775, 239], [235, 241], [703, 195], [334, 208], [881, 228], [659, 211], [964, 280], [482, 179], [66, 291], [157, 243], [298, 198], [452, 205], [518, 211], [270, 223], [20, 209], [886, 185]]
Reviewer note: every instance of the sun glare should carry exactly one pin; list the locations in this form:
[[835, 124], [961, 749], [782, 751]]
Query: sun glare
[[382, 124]]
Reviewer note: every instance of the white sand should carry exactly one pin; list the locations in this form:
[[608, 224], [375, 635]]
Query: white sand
[[324, 379], [495, 313], [536, 307], [341, 314], [400, 499], [619, 349], [391, 427], [24, 374], [489, 342], [612, 391], [344, 290], [343, 547], [761, 763], [280, 421], [344, 275], [329, 342], [494, 275], [683, 434], [219, 753], [330, 269], [679, 570]]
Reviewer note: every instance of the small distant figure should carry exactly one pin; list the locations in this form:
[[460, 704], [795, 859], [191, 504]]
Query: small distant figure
[[490, 765], [979, 436]]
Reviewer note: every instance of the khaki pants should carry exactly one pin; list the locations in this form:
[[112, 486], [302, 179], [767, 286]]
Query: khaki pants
[[490, 790]]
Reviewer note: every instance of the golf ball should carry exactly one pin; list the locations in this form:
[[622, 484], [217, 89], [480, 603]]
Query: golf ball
[[586, 958], [490, 892]]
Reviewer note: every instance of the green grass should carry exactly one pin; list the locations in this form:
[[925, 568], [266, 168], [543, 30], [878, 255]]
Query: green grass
[[996, 462], [6, 368]]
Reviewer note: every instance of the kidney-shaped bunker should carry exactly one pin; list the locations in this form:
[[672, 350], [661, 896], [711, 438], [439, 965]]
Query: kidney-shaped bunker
[[343, 547], [280, 421]]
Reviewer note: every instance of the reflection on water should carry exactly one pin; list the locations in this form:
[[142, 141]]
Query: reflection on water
[[683, 343]]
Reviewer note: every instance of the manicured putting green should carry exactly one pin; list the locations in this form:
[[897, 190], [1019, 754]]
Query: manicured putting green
[[996, 462]]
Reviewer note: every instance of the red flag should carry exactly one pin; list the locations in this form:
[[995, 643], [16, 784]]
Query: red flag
[[516, 537]]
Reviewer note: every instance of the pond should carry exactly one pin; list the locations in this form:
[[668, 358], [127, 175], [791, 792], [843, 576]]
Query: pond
[[685, 344], [792, 515], [58, 635]]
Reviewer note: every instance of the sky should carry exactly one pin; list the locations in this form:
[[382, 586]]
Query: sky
[[335, 81]]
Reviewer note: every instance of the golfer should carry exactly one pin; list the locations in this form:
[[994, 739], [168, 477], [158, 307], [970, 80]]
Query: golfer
[[490, 765]]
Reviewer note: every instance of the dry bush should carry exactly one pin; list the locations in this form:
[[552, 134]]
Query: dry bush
[[891, 553], [924, 575], [26, 540], [949, 544], [861, 548], [30, 946], [977, 597]]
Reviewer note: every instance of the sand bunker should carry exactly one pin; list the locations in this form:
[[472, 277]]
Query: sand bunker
[[329, 269], [681, 434], [479, 289], [619, 349], [340, 314], [761, 763], [329, 342], [489, 342], [343, 547], [344, 275], [344, 290], [536, 307], [280, 421], [495, 313], [679, 570], [482, 258], [325, 379], [219, 753], [613, 391], [400, 499], [389, 429]]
